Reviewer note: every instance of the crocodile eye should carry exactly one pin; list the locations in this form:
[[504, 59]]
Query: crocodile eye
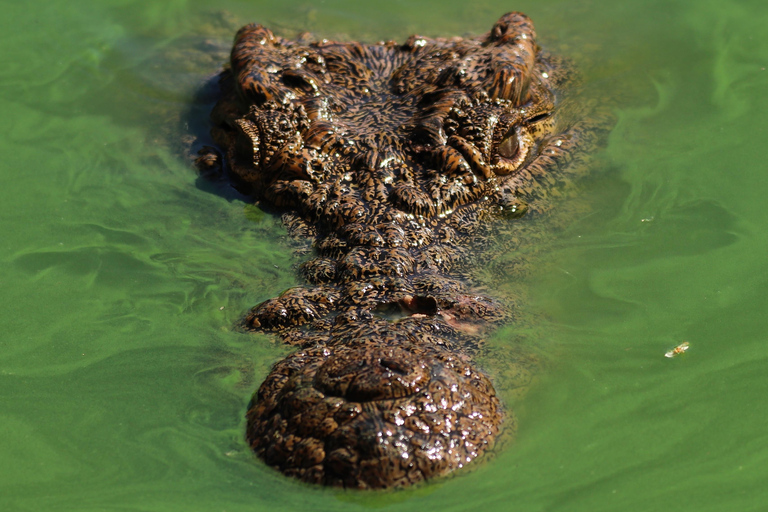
[[509, 146], [513, 150]]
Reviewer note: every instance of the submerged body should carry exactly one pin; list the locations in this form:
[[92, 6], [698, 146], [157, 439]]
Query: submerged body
[[394, 160]]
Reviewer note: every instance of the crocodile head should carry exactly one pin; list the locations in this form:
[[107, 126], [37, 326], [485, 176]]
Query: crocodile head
[[391, 157], [427, 126]]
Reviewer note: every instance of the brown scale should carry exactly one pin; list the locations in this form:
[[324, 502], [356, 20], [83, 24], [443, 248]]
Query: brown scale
[[382, 295], [362, 234], [412, 199], [362, 262], [319, 270], [295, 306], [392, 160], [439, 257], [297, 227]]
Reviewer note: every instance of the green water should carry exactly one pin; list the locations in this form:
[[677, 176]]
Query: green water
[[123, 384]]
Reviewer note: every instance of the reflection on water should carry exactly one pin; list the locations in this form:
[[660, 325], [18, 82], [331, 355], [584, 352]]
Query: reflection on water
[[123, 383]]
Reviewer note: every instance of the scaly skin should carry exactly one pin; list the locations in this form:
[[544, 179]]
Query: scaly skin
[[395, 160]]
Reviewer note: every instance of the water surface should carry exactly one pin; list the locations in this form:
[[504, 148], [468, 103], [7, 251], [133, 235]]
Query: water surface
[[124, 385]]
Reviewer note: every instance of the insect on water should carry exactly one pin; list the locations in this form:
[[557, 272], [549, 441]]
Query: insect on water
[[680, 349]]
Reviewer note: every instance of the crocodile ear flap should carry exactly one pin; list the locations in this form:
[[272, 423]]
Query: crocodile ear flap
[[512, 27], [255, 61], [301, 81], [254, 44], [257, 86], [509, 82], [512, 43], [253, 85], [251, 36]]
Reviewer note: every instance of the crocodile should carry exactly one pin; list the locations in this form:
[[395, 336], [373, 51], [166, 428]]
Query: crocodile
[[394, 161]]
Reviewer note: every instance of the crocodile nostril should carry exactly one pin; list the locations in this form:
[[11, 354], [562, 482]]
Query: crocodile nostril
[[367, 375], [394, 366]]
